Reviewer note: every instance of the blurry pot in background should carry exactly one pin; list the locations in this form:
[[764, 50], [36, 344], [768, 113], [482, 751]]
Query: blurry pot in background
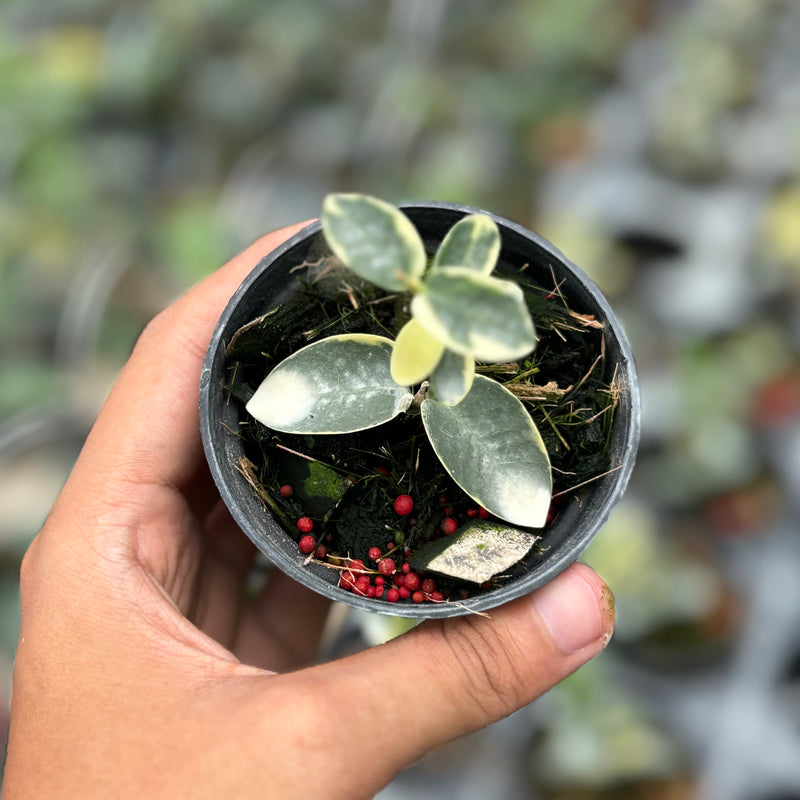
[[281, 300]]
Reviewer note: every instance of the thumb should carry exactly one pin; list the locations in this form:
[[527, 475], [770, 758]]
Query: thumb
[[451, 677]]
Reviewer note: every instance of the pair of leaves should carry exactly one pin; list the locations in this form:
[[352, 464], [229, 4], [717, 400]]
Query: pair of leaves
[[458, 309], [378, 242], [488, 443]]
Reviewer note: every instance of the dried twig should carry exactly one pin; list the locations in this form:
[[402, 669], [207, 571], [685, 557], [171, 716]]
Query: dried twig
[[549, 393], [591, 480], [248, 471]]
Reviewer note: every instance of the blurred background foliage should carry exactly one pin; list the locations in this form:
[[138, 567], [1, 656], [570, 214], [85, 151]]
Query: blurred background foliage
[[656, 142]]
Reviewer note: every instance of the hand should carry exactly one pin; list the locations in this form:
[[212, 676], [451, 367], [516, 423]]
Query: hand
[[144, 672]]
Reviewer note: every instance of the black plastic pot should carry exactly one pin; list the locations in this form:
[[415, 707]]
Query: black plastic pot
[[275, 279]]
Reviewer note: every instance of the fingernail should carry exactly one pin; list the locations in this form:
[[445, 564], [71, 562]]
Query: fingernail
[[577, 608]]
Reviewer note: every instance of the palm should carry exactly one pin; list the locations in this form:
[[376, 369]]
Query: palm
[[189, 544]]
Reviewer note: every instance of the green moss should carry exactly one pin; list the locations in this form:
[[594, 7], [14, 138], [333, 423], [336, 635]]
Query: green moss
[[317, 487]]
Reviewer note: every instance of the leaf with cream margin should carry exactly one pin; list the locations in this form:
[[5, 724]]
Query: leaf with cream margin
[[340, 384], [473, 242], [452, 378], [475, 315], [415, 354], [374, 239], [477, 552], [493, 451]]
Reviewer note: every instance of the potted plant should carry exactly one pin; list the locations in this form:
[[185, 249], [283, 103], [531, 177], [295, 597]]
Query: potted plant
[[423, 411]]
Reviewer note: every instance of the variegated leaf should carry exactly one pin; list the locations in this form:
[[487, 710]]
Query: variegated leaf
[[336, 385], [415, 354], [492, 449], [452, 378], [374, 239], [473, 242], [476, 315]]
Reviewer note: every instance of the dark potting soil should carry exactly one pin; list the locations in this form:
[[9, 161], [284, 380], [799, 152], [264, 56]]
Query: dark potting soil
[[348, 483]]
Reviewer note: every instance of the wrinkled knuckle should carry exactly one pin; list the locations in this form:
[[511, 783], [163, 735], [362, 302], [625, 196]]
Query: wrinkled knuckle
[[493, 677]]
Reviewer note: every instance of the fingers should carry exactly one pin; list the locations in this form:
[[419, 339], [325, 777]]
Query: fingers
[[148, 431], [449, 678]]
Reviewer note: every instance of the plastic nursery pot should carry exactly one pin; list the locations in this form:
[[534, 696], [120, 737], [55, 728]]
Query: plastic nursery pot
[[281, 277]]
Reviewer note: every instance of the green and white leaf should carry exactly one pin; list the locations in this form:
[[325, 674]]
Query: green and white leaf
[[415, 354], [374, 239], [476, 315], [336, 385], [477, 552], [473, 242], [493, 451], [452, 378]]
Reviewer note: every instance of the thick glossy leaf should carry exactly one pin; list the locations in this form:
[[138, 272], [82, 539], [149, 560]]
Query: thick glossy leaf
[[477, 552], [475, 315], [490, 446], [336, 385], [452, 378], [473, 242], [415, 354], [374, 239]]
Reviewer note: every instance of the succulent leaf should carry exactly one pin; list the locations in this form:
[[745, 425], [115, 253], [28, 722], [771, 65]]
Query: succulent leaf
[[452, 378], [374, 239], [415, 354], [476, 315], [340, 384], [473, 242], [492, 449]]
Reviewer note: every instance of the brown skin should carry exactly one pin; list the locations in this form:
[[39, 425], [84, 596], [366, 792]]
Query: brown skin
[[142, 670]]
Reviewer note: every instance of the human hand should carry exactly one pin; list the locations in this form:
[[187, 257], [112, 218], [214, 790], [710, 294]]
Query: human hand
[[143, 671]]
